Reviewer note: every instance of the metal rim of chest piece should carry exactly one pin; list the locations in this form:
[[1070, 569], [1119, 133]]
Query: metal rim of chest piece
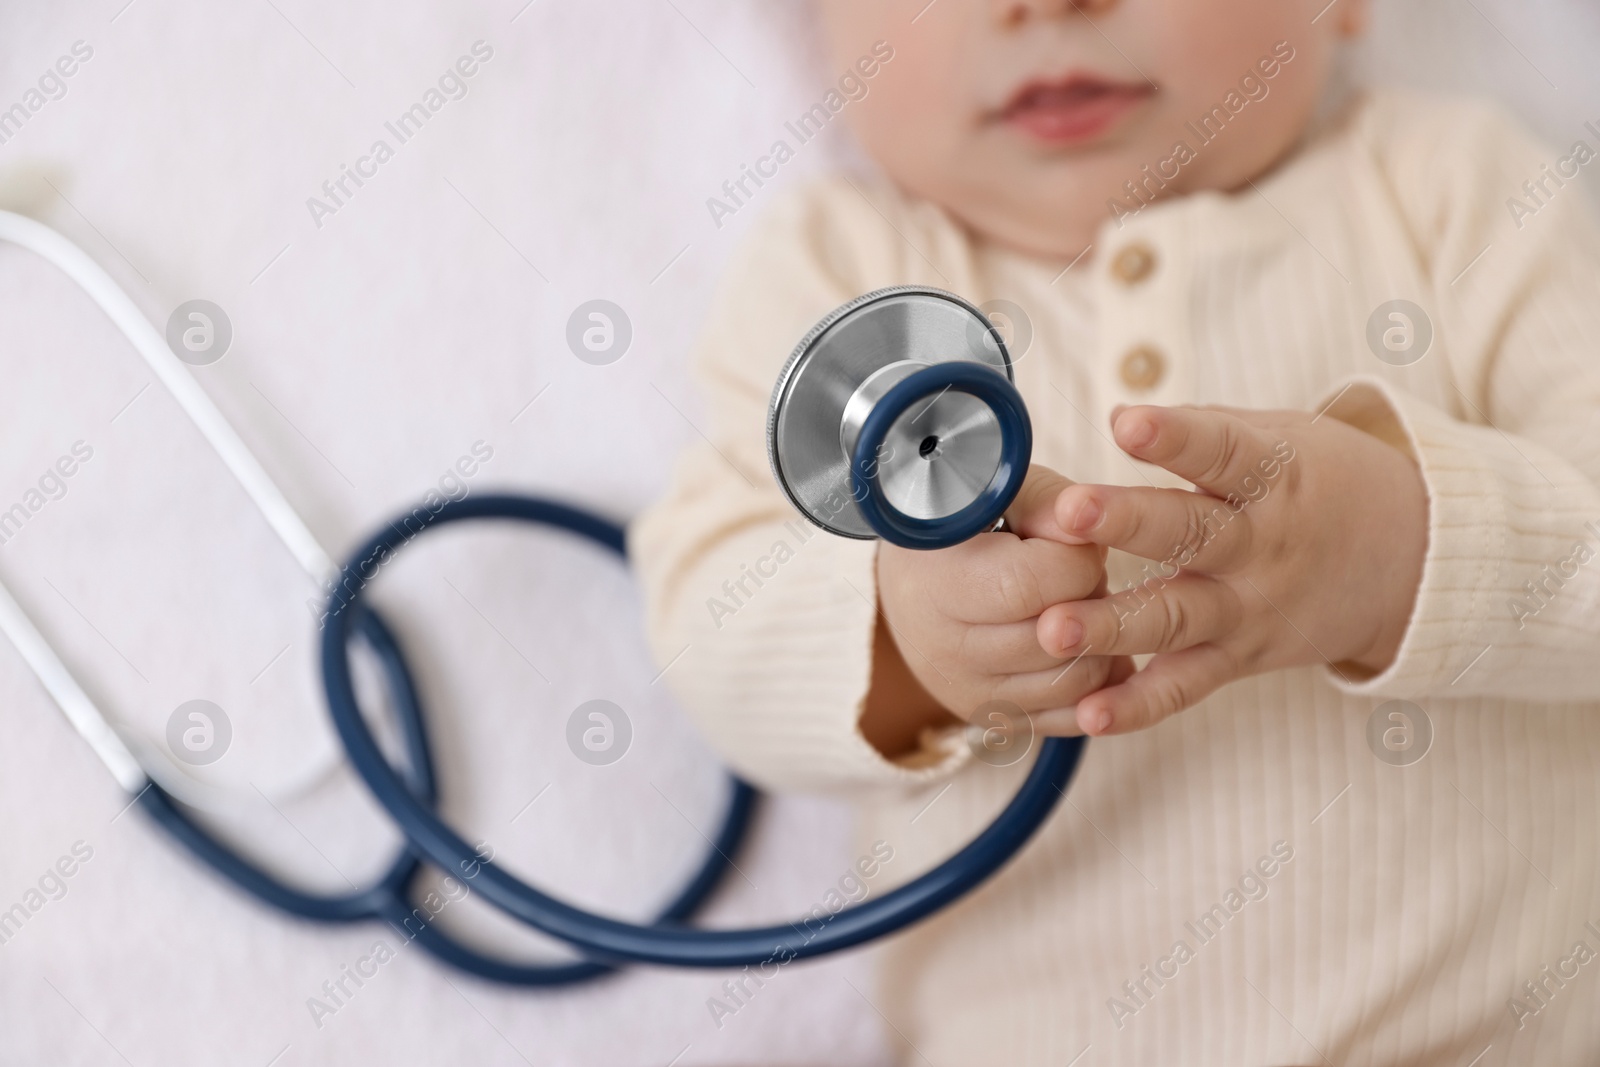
[[957, 453]]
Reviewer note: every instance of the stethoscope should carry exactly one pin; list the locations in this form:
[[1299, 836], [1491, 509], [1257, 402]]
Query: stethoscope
[[895, 417]]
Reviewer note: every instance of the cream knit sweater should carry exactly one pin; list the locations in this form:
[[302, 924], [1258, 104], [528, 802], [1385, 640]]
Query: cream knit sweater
[[1248, 883]]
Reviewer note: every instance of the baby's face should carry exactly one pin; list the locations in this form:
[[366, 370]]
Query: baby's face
[[1026, 118]]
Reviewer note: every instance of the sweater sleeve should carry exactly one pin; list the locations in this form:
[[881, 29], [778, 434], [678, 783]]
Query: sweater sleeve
[[1509, 602], [762, 622]]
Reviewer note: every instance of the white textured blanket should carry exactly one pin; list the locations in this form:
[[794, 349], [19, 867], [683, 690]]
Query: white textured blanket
[[399, 208]]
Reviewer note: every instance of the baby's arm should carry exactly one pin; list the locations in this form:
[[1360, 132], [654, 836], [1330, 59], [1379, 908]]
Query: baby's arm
[[1509, 600], [1489, 588]]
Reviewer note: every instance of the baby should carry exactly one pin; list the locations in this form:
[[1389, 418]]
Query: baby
[[1317, 433]]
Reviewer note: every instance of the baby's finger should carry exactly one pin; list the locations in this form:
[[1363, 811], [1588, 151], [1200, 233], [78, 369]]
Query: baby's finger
[[1063, 722], [1007, 648], [1215, 451], [1155, 616], [1266, 418], [1058, 686], [1168, 684], [1033, 512], [1171, 526], [1000, 578]]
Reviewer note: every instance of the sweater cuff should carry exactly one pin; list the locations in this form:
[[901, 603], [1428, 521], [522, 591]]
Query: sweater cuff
[[1467, 524], [780, 682]]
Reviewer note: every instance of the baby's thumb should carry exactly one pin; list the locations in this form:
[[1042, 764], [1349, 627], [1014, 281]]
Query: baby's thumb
[[1033, 512]]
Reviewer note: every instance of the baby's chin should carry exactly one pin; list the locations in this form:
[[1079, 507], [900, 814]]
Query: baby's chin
[[1052, 205], [1052, 212]]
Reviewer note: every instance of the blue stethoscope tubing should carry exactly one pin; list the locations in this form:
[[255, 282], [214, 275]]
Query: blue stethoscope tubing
[[666, 943], [389, 898], [408, 791], [165, 796]]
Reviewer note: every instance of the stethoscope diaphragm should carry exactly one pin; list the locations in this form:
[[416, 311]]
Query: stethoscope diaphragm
[[895, 417]]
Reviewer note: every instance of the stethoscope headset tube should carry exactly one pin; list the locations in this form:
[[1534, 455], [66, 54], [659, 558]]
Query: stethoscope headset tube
[[389, 899], [361, 905], [611, 941], [408, 790]]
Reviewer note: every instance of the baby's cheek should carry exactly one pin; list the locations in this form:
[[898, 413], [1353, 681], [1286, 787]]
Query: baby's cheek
[[1263, 61]]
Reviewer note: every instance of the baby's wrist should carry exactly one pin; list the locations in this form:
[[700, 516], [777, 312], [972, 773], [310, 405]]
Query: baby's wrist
[[898, 709], [1401, 550]]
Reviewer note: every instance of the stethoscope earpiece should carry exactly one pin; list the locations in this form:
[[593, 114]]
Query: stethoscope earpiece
[[895, 417]]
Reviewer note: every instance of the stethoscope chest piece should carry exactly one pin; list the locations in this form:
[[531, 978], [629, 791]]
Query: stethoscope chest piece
[[895, 417]]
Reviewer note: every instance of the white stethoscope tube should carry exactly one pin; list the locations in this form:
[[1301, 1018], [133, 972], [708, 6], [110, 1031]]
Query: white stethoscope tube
[[85, 716], [69, 695], [285, 521]]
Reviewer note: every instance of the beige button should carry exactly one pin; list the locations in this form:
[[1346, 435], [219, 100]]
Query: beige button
[[1133, 264], [1143, 368]]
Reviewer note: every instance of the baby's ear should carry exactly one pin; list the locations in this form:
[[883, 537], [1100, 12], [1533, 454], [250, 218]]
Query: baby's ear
[[1033, 512]]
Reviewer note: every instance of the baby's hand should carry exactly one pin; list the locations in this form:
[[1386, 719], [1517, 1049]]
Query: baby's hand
[[1303, 544], [965, 619]]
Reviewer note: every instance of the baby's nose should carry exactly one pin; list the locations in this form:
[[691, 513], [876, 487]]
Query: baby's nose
[[1012, 12]]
